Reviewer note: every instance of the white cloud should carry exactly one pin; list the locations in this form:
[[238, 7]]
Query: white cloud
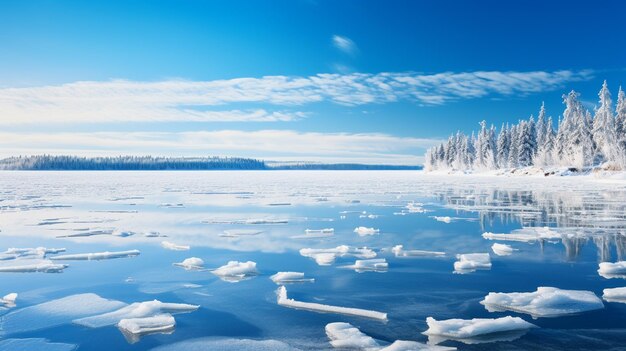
[[123, 101], [267, 144], [344, 44]]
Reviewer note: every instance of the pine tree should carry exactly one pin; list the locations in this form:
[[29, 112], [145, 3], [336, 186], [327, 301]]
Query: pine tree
[[604, 133], [503, 147]]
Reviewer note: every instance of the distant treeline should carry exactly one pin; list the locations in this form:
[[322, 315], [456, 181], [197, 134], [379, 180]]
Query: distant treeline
[[151, 163]]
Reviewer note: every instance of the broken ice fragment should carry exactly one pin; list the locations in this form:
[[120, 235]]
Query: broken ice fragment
[[97, 256], [290, 277], [31, 266], [467, 263], [363, 231], [502, 249], [191, 263], [171, 246], [134, 328], [615, 295], [545, 302], [399, 251], [345, 336], [372, 265], [135, 310], [467, 330], [8, 300], [283, 300], [325, 257], [612, 270], [235, 271]]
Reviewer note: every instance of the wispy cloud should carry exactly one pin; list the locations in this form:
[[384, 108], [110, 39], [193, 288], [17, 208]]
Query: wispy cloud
[[268, 144], [344, 44], [123, 100]]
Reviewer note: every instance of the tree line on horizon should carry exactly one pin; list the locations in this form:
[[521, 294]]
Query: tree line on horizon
[[579, 140]]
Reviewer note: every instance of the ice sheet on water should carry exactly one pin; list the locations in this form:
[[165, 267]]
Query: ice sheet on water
[[31, 266], [545, 302], [467, 263], [345, 336], [283, 300], [235, 271], [612, 270], [399, 251], [203, 344], [363, 231], [502, 249], [527, 234], [135, 310], [134, 328], [32, 344], [56, 312], [191, 264], [8, 300], [96, 256], [290, 277], [371, 265], [37, 252], [326, 257], [614, 295], [471, 330], [234, 233], [171, 246]]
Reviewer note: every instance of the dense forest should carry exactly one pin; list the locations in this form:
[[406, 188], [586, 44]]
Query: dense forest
[[579, 140]]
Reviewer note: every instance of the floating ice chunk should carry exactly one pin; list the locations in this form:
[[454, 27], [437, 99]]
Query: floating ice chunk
[[363, 231], [135, 310], [467, 263], [134, 328], [283, 300], [413, 207], [464, 329], [370, 216], [34, 344], [233, 233], [235, 271], [403, 345], [56, 312], [320, 231], [171, 246], [612, 270], [444, 219], [371, 265], [502, 249], [227, 344], [615, 295], [345, 336], [290, 277], [325, 257], [315, 233], [191, 263], [31, 266], [37, 252], [528, 235], [97, 256], [8, 300], [545, 302], [399, 251]]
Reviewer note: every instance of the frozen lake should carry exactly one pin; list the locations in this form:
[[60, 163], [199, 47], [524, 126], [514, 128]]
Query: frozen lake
[[139, 224]]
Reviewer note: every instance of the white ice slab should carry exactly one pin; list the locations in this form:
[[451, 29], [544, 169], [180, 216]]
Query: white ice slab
[[31, 266], [290, 277], [8, 300], [234, 233], [325, 257], [56, 312], [95, 256], [191, 264], [135, 310], [364, 231], [171, 246], [147, 325], [345, 336], [528, 235], [235, 271], [612, 270], [283, 300], [545, 302], [502, 249], [459, 329], [399, 251], [371, 265], [615, 295], [467, 263], [226, 344]]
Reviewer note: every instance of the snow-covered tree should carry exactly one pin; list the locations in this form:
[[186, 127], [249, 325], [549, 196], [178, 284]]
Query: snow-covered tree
[[604, 132]]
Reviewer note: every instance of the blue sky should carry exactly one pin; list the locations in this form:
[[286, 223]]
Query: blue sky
[[333, 81]]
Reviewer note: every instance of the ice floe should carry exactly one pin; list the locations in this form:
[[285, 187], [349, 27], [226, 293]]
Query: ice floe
[[404, 345], [290, 277], [95, 256], [32, 344], [471, 330], [315, 233], [326, 257], [37, 252], [171, 246], [612, 270], [191, 264], [8, 300], [528, 235], [31, 266], [399, 251], [283, 300], [371, 265], [444, 219], [134, 328], [467, 263], [56, 312], [502, 249], [135, 310], [614, 295], [235, 271], [226, 344], [414, 207], [363, 231], [545, 302], [234, 233]]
